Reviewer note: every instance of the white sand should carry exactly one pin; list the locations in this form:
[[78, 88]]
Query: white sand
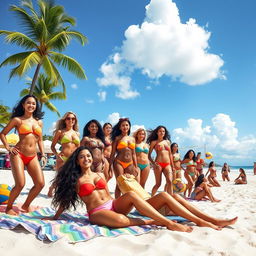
[[240, 239]]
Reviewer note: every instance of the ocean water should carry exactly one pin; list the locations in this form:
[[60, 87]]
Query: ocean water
[[247, 169]]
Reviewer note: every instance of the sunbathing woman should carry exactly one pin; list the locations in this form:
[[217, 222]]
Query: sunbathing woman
[[66, 133], [190, 172], [26, 119], [94, 138], [159, 140], [213, 174], [107, 129], [224, 172], [142, 150], [202, 189], [76, 182], [176, 161], [123, 154], [241, 179]]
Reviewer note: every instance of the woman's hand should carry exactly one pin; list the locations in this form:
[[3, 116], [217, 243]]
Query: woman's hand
[[13, 151], [44, 161]]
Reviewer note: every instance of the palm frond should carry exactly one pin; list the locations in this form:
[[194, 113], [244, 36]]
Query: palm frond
[[24, 92], [15, 58], [67, 62], [49, 70], [51, 107], [57, 96], [18, 38]]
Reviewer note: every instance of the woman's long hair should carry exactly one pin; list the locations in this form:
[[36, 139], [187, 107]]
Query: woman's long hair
[[187, 155], [172, 145], [18, 110], [211, 164], [199, 180], [66, 181], [100, 134], [60, 125], [153, 134], [116, 129], [243, 172]]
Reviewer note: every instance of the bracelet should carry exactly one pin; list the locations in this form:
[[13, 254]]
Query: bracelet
[[44, 156]]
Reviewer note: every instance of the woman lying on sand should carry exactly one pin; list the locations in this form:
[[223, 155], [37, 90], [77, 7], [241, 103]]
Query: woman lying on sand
[[76, 180]]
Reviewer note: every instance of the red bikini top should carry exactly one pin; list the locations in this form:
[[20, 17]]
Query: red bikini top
[[87, 188]]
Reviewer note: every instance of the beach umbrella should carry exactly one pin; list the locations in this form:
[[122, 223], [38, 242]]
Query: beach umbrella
[[47, 146]]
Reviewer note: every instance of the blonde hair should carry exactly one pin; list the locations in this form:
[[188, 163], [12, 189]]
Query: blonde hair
[[135, 134], [60, 125]]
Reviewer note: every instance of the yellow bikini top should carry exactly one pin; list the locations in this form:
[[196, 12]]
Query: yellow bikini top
[[124, 144], [27, 129], [66, 139]]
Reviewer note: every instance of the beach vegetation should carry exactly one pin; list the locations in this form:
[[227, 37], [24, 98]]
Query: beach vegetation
[[47, 33], [5, 115]]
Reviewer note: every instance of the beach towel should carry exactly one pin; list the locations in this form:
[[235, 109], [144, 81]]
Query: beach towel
[[73, 227]]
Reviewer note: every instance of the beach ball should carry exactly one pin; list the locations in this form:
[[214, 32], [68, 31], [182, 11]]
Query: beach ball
[[178, 186], [4, 193], [208, 155]]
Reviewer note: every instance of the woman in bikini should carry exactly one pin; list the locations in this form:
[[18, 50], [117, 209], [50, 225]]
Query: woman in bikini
[[94, 138], [123, 155], [213, 174], [26, 119], [199, 163], [159, 140], [66, 133], [76, 182], [225, 171], [176, 161], [190, 172], [202, 190], [142, 149], [241, 179], [107, 129]]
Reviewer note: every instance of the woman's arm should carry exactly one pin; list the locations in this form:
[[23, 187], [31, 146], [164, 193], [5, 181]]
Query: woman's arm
[[207, 172], [12, 124], [55, 140], [152, 145], [41, 145], [113, 151]]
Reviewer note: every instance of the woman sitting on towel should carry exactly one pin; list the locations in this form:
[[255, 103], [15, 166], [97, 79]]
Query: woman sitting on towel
[[203, 189], [76, 181]]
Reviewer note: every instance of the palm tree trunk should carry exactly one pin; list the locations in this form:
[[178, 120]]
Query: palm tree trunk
[[33, 84]]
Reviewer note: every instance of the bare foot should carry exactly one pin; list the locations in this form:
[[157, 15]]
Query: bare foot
[[25, 209], [224, 223], [204, 223], [179, 227], [11, 212]]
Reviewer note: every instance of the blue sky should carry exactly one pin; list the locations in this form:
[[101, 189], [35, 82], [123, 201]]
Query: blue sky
[[188, 65]]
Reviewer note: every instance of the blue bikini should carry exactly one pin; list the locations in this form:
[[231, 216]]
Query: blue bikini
[[144, 150]]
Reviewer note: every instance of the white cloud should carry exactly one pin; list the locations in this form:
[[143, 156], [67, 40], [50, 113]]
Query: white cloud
[[222, 138], [52, 128], [89, 101], [113, 118], [162, 45], [102, 95], [112, 70], [74, 86]]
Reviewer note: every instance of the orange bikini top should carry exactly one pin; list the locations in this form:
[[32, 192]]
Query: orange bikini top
[[123, 144], [86, 189], [27, 129]]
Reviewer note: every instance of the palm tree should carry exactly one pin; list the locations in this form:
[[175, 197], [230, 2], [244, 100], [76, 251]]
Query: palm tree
[[46, 31], [44, 93], [5, 115]]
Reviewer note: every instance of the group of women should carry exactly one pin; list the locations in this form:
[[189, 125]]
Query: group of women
[[84, 168]]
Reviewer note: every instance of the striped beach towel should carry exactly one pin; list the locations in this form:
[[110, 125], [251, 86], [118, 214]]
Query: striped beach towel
[[74, 227]]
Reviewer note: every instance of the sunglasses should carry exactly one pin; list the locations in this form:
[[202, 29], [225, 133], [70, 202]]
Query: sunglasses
[[71, 118], [124, 119]]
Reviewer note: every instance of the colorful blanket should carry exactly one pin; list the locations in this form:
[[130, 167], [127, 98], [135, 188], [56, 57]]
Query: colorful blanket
[[73, 227]]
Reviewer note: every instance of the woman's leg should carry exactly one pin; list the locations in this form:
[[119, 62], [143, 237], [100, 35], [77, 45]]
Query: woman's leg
[[158, 178], [118, 170], [217, 184], [144, 176], [168, 175], [19, 179], [189, 185], [163, 199], [193, 209], [35, 171], [125, 203]]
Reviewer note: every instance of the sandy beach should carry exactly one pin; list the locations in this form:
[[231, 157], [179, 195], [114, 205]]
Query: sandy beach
[[239, 239]]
